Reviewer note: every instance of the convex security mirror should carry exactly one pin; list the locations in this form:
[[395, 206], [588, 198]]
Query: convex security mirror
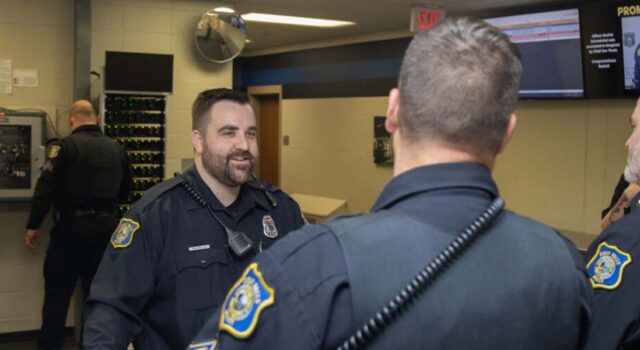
[[220, 37]]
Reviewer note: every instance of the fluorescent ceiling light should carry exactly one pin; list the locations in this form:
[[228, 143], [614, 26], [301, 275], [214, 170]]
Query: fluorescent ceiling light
[[296, 21], [224, 9]]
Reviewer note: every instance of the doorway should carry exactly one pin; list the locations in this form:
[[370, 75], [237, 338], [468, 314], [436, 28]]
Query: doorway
[[266, 102]]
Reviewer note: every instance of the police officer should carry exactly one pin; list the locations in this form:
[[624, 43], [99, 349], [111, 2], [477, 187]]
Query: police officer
[[636, 69], [520, 286], [613, 265], [85, 176], [176, 252]]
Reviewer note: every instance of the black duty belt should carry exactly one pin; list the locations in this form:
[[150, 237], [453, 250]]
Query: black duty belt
[[90, 212]]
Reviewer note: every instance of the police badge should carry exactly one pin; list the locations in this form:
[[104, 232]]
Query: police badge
[[269, 227], [123, 235], [606, 266], [629, 39]]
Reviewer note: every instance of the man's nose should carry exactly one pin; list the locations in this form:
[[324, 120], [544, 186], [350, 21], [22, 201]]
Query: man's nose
[[242, 142]]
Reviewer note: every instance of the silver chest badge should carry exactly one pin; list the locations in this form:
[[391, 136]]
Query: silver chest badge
[[269, 227]]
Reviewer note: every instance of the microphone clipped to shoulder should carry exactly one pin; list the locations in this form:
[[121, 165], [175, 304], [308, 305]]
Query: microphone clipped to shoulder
[[263, 188]]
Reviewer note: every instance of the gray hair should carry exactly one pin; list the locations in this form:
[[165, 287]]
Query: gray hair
[[459, 84]]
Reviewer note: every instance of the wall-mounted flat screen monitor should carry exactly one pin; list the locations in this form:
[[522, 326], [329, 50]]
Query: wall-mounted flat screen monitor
[[138, 72], [549, 43], [611, 48]]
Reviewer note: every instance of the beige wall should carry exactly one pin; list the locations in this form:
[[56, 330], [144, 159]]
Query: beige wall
[[560, 168], [565, 160], [330, 151], [38, 34], [34, 34], [165, 27]]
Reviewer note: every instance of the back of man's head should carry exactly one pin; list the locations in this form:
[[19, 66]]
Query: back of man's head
[[82, 113], [82, 108], [459, 85]]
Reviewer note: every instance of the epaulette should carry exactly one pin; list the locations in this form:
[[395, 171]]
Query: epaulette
[[266, 188], [262, 185], [158, 190]]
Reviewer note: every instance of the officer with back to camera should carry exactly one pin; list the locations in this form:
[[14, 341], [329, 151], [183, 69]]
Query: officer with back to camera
[[171, 260], [85, 176], [519, 286], [613, 264]]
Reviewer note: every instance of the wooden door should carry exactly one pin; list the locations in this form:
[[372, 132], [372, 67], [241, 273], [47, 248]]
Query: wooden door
[[269, 138]]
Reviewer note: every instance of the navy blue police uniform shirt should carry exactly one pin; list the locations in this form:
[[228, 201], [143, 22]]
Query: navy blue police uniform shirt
[[299, 290], [168, 266], [614, 271]]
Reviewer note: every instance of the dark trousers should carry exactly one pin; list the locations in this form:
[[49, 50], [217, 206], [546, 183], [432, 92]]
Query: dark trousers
[[74, 252]]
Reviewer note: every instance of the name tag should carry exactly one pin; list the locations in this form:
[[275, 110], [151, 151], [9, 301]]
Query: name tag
[[199, 247]]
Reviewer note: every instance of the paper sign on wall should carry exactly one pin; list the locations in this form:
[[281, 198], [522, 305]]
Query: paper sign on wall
[[5, 77], [25, 77]]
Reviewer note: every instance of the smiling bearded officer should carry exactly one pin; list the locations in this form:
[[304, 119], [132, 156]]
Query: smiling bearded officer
[[181, 246]]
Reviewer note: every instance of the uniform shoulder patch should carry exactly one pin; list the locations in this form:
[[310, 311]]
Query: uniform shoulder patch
[[123, 235], [53, 151], [210, 345], [244, 303], [606, 266]]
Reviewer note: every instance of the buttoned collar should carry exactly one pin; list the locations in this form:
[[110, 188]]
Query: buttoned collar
[[246, 200], [435, 177]]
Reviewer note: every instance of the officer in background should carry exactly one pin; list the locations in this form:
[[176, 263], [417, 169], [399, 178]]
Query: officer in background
[[620, 203], [85, 176], [613, 266], [180, 247], [520, 286], [636, 68]]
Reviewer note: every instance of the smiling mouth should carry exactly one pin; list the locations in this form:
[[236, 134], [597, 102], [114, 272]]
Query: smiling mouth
[[240, 159]]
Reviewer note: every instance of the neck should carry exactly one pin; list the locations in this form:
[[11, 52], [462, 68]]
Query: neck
[[225, 194], [411, 156], [82, 123]]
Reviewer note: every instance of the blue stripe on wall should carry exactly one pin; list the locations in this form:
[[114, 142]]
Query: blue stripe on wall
[[364, 69], [386, 68]]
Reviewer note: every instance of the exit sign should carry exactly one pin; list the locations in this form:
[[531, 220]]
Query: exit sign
[[425, 17]]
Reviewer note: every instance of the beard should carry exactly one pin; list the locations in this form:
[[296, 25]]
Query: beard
[[632, 170], [229, 175]]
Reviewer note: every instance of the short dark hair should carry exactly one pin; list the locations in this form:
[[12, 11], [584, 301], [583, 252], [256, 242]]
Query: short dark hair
[[206, 99], [459, 84]]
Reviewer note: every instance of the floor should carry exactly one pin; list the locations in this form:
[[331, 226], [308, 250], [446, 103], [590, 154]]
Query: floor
[[69, 344]]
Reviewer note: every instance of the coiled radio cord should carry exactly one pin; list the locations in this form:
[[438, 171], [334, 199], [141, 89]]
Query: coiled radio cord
[[383, 318]]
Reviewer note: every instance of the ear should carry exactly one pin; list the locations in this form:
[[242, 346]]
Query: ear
[[393, 108], [508, 132], [197, 141]]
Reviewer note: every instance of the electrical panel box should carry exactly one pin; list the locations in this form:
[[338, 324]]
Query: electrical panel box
[[22, 153], [137, 122]]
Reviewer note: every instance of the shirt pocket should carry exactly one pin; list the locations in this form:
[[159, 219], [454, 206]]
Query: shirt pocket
[[201, 276]]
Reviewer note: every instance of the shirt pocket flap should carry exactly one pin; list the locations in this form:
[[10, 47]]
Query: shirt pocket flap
[[201, 259]]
